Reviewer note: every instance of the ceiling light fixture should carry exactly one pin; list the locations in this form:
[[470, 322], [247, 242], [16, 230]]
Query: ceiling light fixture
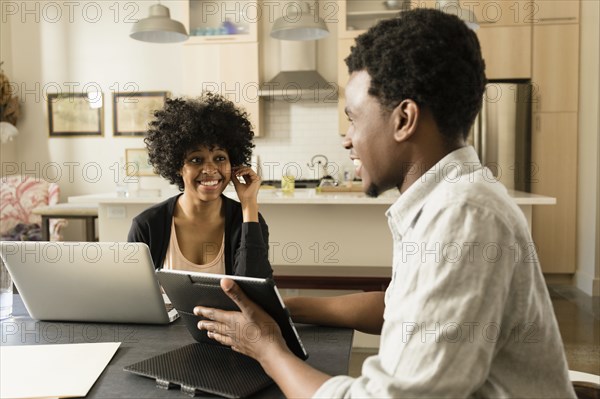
[[159, 27], [299, 24]]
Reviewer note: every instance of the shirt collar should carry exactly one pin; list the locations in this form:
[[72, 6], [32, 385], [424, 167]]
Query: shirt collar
[[402, 214]]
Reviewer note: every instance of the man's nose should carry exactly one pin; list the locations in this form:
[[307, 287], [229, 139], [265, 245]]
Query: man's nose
[[347, 142]]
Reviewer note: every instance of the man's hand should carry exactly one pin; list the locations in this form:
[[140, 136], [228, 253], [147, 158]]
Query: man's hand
[[254, 333], [251, 331]]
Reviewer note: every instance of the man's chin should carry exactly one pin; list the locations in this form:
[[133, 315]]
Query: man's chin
[[373, 191]]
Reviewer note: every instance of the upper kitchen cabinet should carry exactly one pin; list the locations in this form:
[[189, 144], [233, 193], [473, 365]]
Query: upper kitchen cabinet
[[504, 36], [223, 21], [356, 16], [218, 68], [491, 13], [506, 51], [555, 67], [556, 11]]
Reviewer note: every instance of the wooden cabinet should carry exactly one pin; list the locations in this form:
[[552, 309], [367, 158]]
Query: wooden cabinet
[[217, 68], [556, 67], [556, 11], [554, 173], [490, 12], [356, 16], [555, 78], [501, 13], [224, 62], [506, 51], [223, 21]]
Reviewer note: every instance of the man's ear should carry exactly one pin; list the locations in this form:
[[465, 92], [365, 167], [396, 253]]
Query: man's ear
[[405, 118]]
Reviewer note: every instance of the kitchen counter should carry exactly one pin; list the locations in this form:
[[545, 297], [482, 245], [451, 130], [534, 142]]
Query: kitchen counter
[[304, 196], [306, 228], [308, 196]]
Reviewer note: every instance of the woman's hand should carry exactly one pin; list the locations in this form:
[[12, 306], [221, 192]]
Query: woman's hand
[[251, 331], [247, 191]]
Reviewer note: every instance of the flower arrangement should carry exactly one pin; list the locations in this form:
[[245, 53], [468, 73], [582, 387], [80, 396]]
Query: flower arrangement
[[9, 109]]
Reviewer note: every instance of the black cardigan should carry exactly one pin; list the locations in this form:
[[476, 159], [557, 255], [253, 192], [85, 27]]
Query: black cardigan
[[246, 244]]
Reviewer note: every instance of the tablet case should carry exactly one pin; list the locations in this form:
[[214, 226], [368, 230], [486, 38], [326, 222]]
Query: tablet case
[[201, 368], [188, 290], [208, 366]]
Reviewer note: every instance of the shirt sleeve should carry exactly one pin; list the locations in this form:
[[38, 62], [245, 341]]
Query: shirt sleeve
[[252, 256], [135, 232], [444, 309]]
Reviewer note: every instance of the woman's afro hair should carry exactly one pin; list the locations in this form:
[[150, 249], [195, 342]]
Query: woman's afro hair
[[183, 125]]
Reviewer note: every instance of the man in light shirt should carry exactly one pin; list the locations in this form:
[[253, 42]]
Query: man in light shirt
[[467, 313]]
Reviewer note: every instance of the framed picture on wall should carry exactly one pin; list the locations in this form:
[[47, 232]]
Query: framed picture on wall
[[133, 111], [75, 114], [136, 162]]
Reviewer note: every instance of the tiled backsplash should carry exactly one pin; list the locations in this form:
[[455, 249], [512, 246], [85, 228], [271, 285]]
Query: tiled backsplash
[[293, 134]]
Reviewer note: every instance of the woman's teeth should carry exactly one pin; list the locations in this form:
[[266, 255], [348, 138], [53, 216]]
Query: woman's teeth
[[209, 182], [357, 162]]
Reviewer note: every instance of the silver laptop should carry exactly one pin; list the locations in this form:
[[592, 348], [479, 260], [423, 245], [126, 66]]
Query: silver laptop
[[111, 282]]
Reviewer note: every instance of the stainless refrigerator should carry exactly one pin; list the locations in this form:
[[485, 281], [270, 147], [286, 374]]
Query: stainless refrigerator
[[501, 133]]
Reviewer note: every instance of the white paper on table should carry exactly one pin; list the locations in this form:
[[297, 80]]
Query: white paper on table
[[41, 371]]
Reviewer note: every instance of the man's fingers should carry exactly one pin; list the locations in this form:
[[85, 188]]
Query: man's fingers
[[236, 294], [219, 329], [206, 312], [222, 339], [222, 316], [219, 332]]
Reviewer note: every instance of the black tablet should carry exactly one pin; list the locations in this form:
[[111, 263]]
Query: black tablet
[[190, 289]]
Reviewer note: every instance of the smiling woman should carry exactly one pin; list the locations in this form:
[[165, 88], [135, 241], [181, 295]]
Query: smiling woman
[[202, 145]]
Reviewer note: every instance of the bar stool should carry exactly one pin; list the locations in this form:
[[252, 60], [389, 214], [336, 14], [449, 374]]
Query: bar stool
[[87, 212]]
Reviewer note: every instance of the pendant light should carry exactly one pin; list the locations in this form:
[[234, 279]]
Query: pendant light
[[159, 27], [299, 24]]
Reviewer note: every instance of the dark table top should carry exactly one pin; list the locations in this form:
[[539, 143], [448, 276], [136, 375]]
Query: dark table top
[[328, 348]]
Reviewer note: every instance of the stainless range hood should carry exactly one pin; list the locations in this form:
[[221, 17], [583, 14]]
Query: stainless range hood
[[298, 79], [298, 86]]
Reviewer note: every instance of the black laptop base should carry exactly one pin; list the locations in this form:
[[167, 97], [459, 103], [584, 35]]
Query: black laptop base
[[204, 368]]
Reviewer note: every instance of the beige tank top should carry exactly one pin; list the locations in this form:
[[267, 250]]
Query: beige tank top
[[174, 260]]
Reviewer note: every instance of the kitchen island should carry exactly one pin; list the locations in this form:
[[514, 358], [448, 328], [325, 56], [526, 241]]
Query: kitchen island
[[307, 228]]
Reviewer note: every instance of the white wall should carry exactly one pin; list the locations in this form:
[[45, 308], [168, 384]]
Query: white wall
[[81, 48], [588, 274]]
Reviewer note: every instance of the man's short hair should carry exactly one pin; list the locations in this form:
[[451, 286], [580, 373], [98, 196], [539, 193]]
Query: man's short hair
[[429, 57]]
